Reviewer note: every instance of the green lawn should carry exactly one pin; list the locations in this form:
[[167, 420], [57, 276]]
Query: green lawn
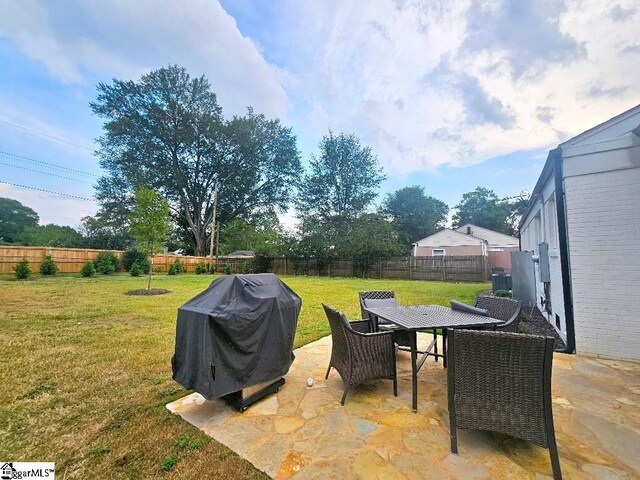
[[86, 371]]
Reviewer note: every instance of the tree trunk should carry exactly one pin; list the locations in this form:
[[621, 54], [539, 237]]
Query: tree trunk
[[150, 267]]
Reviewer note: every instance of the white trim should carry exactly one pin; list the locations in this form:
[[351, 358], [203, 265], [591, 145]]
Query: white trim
[[434, 250]]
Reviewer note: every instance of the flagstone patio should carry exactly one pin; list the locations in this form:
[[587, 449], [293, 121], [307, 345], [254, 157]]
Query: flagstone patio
[[303, 432]]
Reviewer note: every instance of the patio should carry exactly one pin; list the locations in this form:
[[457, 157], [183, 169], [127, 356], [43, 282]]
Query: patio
[[303, 432]]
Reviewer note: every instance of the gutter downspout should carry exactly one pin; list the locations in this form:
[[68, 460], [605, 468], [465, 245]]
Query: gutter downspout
[[563, 246]]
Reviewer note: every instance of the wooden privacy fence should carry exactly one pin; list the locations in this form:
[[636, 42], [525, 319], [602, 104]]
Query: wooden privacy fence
[[71, 260], [444, 269]]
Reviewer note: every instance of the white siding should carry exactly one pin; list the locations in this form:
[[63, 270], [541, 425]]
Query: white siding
[[604, 243], [542, 226]]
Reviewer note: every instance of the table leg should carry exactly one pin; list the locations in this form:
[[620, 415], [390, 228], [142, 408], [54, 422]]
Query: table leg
[[435, 345], [444, 347], [414, 370]]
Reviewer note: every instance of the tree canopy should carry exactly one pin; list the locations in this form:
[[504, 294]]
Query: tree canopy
[[105, 233], [414, 215], [149, 219], [51, 235], [258, 235], [167, 132], [484, 208], [369, 238], [14, 219], [342, 180]]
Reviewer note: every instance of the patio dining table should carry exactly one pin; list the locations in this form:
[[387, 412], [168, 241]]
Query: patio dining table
[[428, 317]]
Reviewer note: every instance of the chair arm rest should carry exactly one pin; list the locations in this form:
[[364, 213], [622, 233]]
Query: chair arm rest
[[361, 326]]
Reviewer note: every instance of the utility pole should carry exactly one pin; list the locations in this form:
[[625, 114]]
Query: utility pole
[[217, 241], [213, 228]]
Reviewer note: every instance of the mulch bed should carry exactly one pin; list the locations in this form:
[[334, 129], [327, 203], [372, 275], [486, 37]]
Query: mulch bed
[[144, 291]]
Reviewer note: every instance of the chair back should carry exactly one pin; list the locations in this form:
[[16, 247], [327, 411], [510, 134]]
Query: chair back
[[374, 295], [339, 328], [504, 309], [501, 382]]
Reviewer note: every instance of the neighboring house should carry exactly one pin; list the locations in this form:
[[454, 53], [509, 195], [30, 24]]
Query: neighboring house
[[583, 221], [469, 239], [499, 245], [241, 254], [449, 242]]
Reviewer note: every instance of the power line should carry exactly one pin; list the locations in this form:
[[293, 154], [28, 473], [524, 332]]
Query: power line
[[48, 136], [49, 164], [48, 191], [45, 173]]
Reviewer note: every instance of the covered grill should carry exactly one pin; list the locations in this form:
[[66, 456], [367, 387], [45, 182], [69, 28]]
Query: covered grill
[[235, 339]]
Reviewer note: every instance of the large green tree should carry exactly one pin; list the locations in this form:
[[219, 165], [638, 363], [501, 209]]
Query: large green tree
[[51, 235], [369, 237], [106, 232], [14, 219], [342, 180], [150, 222], [166, 131], [414, 215], [260, 235], [484, 208]]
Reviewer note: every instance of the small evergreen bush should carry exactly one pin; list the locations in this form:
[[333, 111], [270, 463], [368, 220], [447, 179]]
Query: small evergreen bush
[[246, 268], [22, 269], [132, 256], [88, 269], [176, 268], [227, 269], [48, 266], [106, 263], [201, 268], [136, 269]]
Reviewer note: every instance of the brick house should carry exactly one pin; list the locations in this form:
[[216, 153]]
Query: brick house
[[582, 226]]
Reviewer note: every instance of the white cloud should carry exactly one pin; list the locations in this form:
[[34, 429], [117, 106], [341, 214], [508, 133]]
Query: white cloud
[[125, 38], [425, 84], [425, 87], [65, 211]]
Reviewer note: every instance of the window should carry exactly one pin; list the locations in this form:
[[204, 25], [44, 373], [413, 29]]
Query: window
[[438, 252]]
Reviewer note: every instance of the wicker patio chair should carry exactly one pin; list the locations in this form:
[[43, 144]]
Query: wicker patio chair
[[501, 382], [359, 357], [503, 309], [400, 337]]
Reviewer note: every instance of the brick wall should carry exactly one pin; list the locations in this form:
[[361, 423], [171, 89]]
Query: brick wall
[[603, 216]]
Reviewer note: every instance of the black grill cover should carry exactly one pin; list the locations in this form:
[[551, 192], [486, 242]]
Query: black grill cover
[[237, 333]]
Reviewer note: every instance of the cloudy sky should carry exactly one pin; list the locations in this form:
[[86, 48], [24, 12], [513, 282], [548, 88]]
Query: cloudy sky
[[450, 95]]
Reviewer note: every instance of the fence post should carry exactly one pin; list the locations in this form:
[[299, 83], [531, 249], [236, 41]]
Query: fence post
[[444, 269]]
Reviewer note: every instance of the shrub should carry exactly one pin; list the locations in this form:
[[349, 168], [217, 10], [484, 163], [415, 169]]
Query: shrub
[[227, 269], [176, 268], [144, 265], [132, 256], [246, 268], [201, 268], [22, 269], [136, 269], [48, 266], [106, 263], [262, 263], [88, 269], [503, 293]]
